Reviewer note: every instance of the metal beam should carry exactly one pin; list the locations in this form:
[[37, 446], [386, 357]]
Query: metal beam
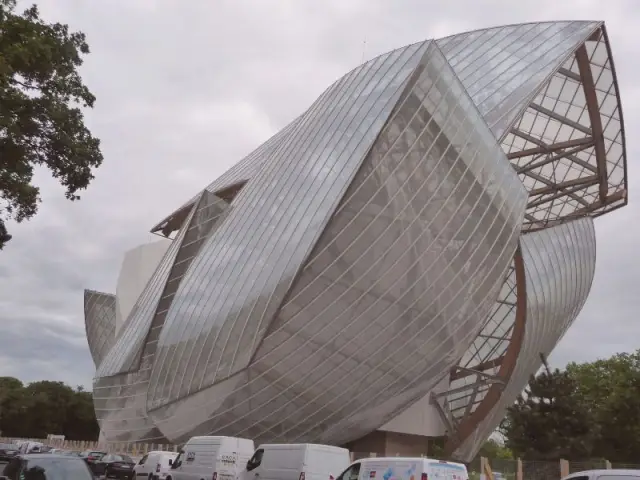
[[560, 118], [582, 182], [584, 65], [615, 197], [462, 372], [581, 212], [554, 158], [595, 36], [549, 183], [550, 148], [540, 143], [570, 74], [448, 421]]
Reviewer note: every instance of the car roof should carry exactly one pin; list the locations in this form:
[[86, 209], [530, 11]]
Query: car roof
[[612, 471], [424, 460]]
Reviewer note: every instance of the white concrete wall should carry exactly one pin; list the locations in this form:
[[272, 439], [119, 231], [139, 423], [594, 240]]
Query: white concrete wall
[[421, 418], [138, 266]]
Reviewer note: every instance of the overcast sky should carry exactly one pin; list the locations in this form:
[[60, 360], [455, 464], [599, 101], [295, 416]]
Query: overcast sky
[[186, 88]]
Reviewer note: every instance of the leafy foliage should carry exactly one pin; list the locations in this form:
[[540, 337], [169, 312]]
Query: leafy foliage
[[587, 411], [611, 390], [41, 123], [494, 450], [549, 421], [41, 408]]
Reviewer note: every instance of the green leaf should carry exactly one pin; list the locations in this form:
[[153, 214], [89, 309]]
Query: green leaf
[[41, 121]]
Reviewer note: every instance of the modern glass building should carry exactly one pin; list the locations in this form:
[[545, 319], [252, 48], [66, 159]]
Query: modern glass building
[[390, 266]]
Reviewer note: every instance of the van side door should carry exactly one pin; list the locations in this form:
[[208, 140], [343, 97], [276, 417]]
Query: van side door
[[141, 467]]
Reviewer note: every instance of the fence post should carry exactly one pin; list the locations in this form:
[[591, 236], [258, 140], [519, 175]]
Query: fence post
[[519, 475], [564, 468], [607, 464], [485, 468]]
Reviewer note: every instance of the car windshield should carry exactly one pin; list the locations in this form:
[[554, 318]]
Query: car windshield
[[96, 454], [56, 469]]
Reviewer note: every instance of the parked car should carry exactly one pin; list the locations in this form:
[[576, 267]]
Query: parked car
[[91, 457], [114, 466], [155, 465], [296, 461], [8, 451], [403, 468], [46, 467], [622, 474], [212, 457]]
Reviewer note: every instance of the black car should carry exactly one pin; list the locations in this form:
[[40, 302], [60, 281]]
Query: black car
[[8, 451], [91, 457], [47, 466], [114, 466]]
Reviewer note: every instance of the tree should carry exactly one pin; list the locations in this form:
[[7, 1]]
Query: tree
[[11, 403], [550, 420], [494, 450], [41, 123], [45, 407], [610, 389]]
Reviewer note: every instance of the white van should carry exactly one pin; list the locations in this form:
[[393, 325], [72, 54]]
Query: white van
[[154, 465], [402, 468], [31, 447], [302, 461], [211, 458], [613, 474]]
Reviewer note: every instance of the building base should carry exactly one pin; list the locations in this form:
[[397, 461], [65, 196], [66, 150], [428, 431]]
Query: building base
[[391, 444]]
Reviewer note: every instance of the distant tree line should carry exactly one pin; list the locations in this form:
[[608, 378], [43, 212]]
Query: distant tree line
[[41, 408]]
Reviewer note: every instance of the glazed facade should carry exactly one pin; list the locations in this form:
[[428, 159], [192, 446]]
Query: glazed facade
[[427, 221]]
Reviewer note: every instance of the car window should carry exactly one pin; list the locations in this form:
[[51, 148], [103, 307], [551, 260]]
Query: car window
[[255, 461], [143, 459], [165, 459], [351, 473], [124, 458], [176, 462], [56, 469]]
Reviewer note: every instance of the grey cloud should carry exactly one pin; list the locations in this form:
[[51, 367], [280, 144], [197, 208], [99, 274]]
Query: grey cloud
[[185, 89]]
